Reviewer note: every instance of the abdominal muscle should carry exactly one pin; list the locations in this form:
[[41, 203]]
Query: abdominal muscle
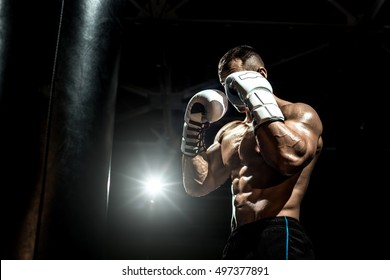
[[253, 203]]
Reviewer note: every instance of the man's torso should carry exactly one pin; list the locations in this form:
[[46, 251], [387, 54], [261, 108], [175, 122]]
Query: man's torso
[[259, 190]]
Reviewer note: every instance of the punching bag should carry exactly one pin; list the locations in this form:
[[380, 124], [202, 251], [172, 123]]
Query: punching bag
[[57, 111]]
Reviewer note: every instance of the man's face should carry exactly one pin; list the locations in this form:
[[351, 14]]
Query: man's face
[[234, 66]]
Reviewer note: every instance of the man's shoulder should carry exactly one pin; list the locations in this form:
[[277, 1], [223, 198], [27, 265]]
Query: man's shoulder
[[228, 128], [235, 124], [297, 108]]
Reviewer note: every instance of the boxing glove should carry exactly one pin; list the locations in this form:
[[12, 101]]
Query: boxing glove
[[253, 90], [205, 107]]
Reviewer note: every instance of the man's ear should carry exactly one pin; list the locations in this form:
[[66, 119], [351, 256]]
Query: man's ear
[[263, 72]]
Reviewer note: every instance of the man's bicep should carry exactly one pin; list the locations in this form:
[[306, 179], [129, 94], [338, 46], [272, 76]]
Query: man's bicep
[[218, 171]]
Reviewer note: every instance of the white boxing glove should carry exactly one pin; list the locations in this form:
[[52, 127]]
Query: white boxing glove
[[256, 92], [205, 107]]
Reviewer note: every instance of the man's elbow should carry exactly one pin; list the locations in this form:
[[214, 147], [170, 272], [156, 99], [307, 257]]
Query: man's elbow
[[195, 192], [197, 189], [289, 164]]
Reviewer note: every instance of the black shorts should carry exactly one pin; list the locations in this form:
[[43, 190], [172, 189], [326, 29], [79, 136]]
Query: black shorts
[[274, 238]]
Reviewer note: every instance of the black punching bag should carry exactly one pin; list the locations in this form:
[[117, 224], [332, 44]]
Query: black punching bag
[[61, 93]]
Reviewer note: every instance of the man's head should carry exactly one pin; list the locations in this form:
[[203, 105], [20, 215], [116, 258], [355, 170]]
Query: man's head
[[240, 58]]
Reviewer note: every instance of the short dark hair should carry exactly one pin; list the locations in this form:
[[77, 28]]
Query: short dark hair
[[242, 52]]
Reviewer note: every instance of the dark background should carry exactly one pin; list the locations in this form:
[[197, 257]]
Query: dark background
[[333, 55]]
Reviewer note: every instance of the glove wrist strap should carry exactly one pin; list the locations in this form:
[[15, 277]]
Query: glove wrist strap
[[193, 139]]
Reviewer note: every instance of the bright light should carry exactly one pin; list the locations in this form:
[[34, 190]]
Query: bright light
[[153, 177], [154, 186]]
